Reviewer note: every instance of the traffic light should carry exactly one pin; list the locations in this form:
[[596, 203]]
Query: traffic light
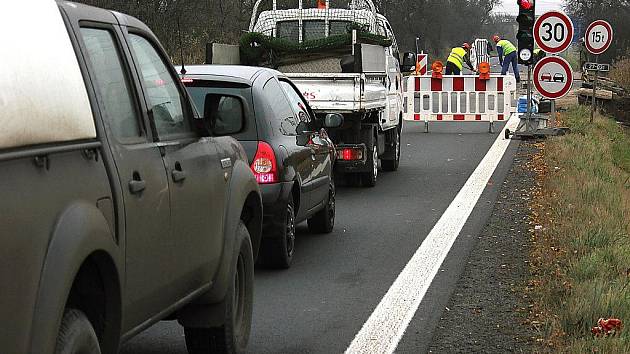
[[526, 18]]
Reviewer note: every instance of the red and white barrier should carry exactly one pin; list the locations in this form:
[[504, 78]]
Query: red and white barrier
[[459, 98], [423, 63]]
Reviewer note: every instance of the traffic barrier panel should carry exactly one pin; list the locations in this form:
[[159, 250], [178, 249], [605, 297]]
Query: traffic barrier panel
[[423, 64], [459, 98], [479, 52]]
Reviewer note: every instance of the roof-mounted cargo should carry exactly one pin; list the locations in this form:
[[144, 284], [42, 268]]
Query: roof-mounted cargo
[[41, 101]]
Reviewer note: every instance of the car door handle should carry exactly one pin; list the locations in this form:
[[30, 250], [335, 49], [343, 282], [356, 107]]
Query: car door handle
[[137, 186], [178, 173], [178, 176]]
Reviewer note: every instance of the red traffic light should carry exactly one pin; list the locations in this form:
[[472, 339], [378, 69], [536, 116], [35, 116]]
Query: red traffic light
[[525, 4]]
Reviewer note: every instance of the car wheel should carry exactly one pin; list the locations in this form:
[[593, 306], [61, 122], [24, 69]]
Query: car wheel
[[369, 178], [324, 221], [392, 165], [233, 335], [277, 250], [76, 334]]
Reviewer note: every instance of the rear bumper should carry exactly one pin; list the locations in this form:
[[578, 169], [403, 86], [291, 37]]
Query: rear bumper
[[275, 199]]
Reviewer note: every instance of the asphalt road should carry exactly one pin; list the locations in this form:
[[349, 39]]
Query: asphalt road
[[337, 280]]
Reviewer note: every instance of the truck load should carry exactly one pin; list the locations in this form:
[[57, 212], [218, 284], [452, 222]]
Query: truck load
[[344, 59]]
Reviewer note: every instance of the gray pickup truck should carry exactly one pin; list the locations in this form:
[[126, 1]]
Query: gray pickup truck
[[119, 206]]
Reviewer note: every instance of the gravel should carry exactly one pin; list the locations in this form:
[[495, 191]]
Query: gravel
[[488, 309]]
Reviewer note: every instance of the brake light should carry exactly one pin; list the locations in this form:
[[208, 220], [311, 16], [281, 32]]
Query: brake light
[[264, 166], [186, 80], [350, 154]]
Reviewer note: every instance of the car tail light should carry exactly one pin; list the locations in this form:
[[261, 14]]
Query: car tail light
[[186, 80], [350, 154], [264, 166]]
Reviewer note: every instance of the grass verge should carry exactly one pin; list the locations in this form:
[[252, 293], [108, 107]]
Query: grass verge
[[581, 236]]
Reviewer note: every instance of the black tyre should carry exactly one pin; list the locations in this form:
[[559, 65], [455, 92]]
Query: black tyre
[[392, 165], [324, 221], [233, 336], [369, 178], [76, 334], [277, 250]]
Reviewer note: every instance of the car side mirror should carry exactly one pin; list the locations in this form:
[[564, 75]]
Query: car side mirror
[[408, 62], [224, 115], [333, 120], [303, 129]]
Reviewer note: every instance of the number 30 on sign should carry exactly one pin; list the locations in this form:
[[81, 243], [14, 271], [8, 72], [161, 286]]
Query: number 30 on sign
[[553, 32]]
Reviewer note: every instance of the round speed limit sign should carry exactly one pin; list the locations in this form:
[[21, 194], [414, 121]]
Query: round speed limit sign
[[598, 37], [553, 32]]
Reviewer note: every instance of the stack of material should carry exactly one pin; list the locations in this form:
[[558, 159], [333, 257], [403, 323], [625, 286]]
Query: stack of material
[[612, 98]]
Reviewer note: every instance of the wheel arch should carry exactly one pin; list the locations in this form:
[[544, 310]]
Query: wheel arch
[[243, 190], [81, 236]]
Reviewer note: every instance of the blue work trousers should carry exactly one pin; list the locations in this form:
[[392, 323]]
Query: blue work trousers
[[511, 59]]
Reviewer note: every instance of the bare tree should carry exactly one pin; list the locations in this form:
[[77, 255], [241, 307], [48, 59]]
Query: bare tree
[[441, 24], [617, 12]]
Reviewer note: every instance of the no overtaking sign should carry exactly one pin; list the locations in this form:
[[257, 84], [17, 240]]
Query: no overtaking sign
[[553, 77]]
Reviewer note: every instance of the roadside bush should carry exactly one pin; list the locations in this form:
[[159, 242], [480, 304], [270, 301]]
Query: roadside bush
[[620, 72]]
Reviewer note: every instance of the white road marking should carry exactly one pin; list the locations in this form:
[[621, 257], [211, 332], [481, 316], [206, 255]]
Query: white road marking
[[387, 324]]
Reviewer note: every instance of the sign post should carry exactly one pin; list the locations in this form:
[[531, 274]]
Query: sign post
[[597, 39]]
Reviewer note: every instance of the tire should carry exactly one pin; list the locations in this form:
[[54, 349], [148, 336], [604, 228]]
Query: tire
[[369, 178], [392, 165], [76, 334], [324, 221], [233, 336], [277, 251]]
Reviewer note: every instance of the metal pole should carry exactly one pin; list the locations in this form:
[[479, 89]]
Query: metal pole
[[553, 113], [529, 97], [595, 87]]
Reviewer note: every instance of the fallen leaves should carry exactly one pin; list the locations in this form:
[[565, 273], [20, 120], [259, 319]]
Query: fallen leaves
[[606, 328]]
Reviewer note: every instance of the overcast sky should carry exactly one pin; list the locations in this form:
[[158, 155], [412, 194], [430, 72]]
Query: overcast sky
[[542, 6]]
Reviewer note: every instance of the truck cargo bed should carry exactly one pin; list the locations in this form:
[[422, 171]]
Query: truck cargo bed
[[343, 93]]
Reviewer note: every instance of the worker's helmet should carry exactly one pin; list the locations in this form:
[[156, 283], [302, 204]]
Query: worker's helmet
[[496, 39], [466, 46]]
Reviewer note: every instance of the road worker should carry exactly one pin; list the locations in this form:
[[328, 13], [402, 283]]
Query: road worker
[[507, 49], [457, 58]]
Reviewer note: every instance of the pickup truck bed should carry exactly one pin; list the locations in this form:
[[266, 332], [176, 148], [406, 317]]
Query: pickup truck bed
[[342, 93]]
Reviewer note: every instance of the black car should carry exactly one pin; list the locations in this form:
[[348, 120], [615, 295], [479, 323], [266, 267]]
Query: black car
[[287, 146]]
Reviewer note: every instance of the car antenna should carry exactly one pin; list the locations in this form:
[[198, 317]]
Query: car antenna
[[181, 48]]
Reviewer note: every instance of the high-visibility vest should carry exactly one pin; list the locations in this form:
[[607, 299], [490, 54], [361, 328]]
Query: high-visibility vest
[[508, 47], [457, 57]]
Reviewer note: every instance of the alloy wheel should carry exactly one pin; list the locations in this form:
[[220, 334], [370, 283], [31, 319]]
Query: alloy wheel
[[290, 230]]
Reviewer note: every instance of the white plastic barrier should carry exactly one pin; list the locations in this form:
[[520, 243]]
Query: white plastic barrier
[[479, 52], [459, 98]]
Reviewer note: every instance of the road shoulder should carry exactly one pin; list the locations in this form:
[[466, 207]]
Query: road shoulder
[[488, 309]]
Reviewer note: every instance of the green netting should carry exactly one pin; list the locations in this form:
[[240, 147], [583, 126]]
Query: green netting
[[258, 48]]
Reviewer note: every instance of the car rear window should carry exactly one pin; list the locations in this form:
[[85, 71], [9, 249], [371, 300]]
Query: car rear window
[[200, 88]]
